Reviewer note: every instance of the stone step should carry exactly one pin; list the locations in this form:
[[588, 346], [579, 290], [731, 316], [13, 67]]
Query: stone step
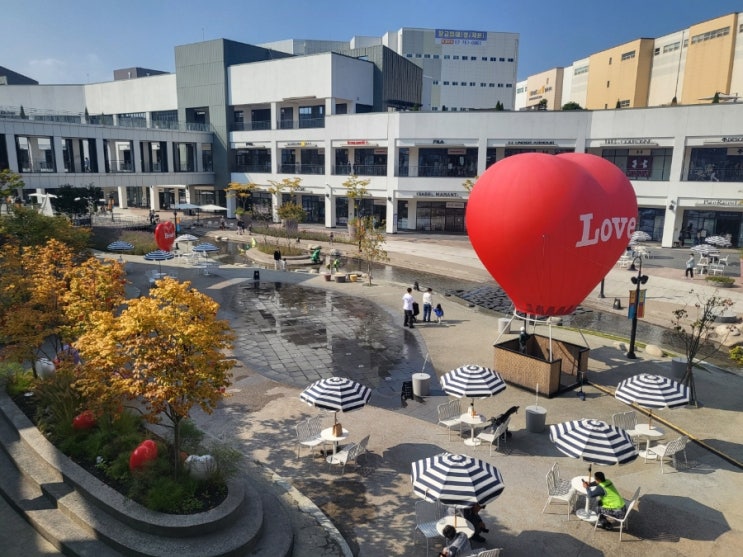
[[82, 516]]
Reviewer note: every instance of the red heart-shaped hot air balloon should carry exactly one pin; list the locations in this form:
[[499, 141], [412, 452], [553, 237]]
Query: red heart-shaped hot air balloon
[[165, 235], [548, 228]]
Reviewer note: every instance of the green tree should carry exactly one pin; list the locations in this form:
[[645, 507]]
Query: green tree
[[278, 187], [716, 98], [499, 107], [618, 105], [572, 105], [542, 104], [165, 350], [371, 240], [693, 327], [10, 184], [292, 214], [24, 226], [243, 194], [356, 191]]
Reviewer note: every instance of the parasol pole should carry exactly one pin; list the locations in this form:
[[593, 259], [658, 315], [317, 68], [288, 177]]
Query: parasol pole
[[589, 472], [536, 402]]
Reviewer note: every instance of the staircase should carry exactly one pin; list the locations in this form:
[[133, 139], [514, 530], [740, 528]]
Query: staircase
[[82, 516]]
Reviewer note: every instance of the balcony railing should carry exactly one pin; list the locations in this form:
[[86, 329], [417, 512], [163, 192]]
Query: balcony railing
[[435, 172], [250, 126], [36, 167], [302, 169], [299, 124], [360, 169], [116, 166], [265, 168]]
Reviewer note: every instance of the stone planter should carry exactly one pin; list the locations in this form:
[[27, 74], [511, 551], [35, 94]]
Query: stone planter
[[327, 276], [340, 278]]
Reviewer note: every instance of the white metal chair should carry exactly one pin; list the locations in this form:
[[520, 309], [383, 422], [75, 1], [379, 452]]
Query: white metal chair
[[495, 436], [426, 516], [670, 450], [344, 456], [307, 435], [449, 415], [628, 422], [559, 490], [622, 521], [488, 553], [362, 447], [702, 265]]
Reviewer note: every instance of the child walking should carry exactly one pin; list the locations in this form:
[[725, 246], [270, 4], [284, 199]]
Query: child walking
[[439, 313]]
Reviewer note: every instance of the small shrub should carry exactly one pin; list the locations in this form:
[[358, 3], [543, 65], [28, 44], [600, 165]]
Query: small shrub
[[57, 404], [18, 380], [723, 282]]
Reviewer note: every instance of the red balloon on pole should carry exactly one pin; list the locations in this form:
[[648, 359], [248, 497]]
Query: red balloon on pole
[[549, 228], [165, 235]]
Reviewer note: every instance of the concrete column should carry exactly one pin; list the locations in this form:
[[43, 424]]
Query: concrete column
[[123, 202]]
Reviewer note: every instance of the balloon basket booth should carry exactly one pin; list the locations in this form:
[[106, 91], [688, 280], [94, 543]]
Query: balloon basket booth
[[547, 364]]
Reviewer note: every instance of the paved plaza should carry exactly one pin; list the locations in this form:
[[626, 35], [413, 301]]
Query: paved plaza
[[294, 327]]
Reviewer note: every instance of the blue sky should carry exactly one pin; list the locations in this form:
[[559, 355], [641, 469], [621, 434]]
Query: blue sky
[[83, 41]]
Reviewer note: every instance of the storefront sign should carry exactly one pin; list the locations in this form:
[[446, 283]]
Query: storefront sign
[[359, 142], [299, 144], [724, 140], [639, 166], [380, 151], [456, 151], [437, 194], [452, 36], [630, 141], [526, 142], [454, 205], [719, 203]]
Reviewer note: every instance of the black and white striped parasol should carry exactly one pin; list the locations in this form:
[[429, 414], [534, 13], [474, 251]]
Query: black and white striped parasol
[[593, 441], [120, 245], [159, 256], [205, 247], [653, 392], [472, 381], [338, 394], [456, 480]]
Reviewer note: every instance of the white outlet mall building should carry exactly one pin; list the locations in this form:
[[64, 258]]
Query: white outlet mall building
[[151, 141]]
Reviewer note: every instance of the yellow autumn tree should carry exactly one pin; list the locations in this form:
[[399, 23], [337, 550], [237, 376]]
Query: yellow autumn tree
[[47, 295], [165, 350]]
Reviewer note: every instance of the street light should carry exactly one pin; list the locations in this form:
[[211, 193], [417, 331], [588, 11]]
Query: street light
[[638, 281]]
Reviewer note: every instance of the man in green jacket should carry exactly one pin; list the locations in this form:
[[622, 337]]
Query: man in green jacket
[[610, 502]]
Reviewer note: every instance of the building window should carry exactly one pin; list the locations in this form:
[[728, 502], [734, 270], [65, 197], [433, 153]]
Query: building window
[[446, 83], [656, 52], [501, 59], [624, 104], [184, 157], [610, 60], [484, 58], [608, 83], [709, 35], [117, 155], [435, 56], [426, 56], [435, 81], [509, 85], [580, 70], [500, 85], [408, 55], [716, 164], [473, 84], [418, 56], [35, 154], [456, 57], [493, 59], [473, 57], [483, 84], [653, 164], [455, 83], [491, 84], [446, 56], [671, 47], [510, 59], [628, 55]]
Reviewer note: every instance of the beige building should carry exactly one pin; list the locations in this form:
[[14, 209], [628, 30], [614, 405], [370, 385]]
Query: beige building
[[545, 86], [620, 77], [684, 67]]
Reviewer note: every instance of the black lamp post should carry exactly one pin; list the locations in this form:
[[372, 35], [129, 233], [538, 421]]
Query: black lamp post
[[638, 281]]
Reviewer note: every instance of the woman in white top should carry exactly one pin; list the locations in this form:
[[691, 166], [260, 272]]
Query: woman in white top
[[427, 305]]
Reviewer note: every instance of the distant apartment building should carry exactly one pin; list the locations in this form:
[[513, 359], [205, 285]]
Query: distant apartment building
[[688, 66]]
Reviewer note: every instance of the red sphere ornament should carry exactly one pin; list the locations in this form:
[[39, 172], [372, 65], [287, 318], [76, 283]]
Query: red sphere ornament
[[84, 420], [549, 228]]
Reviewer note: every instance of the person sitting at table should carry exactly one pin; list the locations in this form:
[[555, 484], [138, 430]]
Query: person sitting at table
[[610, 502], [473, 515], [457, 544]]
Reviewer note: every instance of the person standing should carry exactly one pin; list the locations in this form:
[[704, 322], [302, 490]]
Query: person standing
[[689, 273], [523, 340], [331, 238], [407, 308], [610, 502], [427, 305], [277, 259]]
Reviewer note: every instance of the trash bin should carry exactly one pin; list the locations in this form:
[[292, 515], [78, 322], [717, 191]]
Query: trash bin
[[421, 384], [256, 275], [536, 417], [504, 324]]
